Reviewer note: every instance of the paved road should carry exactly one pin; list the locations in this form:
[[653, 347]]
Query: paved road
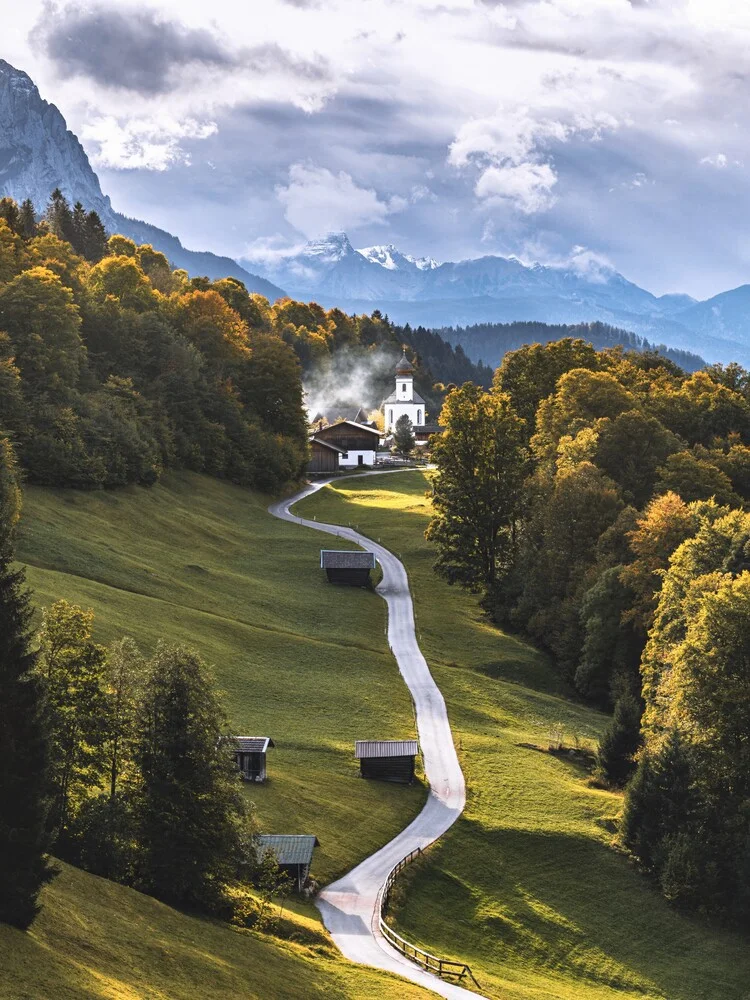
[[349, 906]]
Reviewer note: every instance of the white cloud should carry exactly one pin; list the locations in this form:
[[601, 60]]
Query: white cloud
[[720, 161], [317, 200], [142, 143], [527, 186]]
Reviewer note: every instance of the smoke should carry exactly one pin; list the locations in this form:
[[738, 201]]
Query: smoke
[[349, 379]]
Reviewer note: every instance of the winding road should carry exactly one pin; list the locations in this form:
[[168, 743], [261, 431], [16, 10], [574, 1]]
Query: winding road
[[350, 906]]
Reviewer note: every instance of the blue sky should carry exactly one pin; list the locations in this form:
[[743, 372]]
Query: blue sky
[[452, 129]]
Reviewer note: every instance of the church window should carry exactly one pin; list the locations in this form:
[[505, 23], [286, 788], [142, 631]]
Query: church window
[[419, 416], [390, 416]]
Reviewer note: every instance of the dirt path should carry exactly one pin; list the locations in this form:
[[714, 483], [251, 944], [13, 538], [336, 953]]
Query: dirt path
[[350, 905]]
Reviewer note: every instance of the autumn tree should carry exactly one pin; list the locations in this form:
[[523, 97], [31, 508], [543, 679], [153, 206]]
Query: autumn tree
[[477, 491], [72, 666]]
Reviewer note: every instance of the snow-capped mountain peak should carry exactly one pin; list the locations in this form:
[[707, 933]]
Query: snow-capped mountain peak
[[329, 248], [392, 259]]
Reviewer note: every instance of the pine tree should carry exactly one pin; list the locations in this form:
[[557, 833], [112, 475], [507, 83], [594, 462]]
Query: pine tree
[[192, 829], [59, 218], [95, 238], [27, 220], [620, 742], [78, 229], [24, 745], [403, 436]]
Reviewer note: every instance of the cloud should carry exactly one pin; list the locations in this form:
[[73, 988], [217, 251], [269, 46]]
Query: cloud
[[137, 50], [144, 144], [317, 200], [528, 186], [142, 51]]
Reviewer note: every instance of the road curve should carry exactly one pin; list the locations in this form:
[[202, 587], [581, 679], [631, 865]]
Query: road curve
[[350, 906]]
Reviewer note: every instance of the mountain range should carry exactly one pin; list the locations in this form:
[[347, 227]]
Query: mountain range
[[504, 290], [38, 153]]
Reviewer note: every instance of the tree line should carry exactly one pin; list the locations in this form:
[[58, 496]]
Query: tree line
[[598, 502]]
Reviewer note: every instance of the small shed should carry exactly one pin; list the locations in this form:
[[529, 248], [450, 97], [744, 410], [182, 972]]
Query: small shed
[[250, 753], [388, 760], [324, 456], [359, 442], [346, 566], [293, 852]]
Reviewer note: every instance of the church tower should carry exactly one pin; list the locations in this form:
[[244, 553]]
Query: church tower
[[404, 400]]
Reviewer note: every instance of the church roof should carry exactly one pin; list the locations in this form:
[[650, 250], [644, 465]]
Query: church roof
[[404, 367], [395, 398]]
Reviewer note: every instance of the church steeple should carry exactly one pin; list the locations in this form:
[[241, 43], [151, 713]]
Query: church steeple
[[404, 367], [404, 379]]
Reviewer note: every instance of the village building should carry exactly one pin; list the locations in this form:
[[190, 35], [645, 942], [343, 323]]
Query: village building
[[404, 400], [350, 567], [293, 852], [250, 754], [423, 433], [324, 457], [358, 442], [332, 415], [387, 760]]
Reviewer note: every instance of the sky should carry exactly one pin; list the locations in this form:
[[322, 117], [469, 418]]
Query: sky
[[548, 129]]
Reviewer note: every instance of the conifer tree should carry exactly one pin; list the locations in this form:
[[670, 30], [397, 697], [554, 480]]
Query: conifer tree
[[24, 746], [403, 436], [59, 217], [27, 220], [620, 742], [192, 829]]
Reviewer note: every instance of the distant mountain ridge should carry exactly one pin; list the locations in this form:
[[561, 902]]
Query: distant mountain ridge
[[38, 153], [492, 289]]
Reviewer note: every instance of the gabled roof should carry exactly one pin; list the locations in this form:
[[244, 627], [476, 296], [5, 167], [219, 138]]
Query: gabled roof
[[395, 398], [252, 744], [351, 423], [346, 559], [326, 444], [427, 429], [333, 413], [385, 748], [290, 849]]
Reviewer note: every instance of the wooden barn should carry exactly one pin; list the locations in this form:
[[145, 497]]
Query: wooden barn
[[250, 754], [387, 760], [324, 457], [293, 852], [351, 568], [359, 442]]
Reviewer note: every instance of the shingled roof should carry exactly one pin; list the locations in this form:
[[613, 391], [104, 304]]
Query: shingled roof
[[385, 748], [346, 559], [252, 744], [290, 849]]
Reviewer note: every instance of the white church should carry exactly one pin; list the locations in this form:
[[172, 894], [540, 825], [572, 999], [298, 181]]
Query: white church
[[404, 400]]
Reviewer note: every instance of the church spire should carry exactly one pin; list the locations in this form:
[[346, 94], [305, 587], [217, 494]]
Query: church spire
[[404, 367]]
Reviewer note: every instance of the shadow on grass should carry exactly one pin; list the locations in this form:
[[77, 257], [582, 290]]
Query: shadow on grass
[[572, 907]]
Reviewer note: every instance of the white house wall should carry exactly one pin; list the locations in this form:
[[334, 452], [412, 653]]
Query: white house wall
[[352, 458], [414, 411]]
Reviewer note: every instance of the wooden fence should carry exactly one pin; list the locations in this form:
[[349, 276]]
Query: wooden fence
[[443, 967]]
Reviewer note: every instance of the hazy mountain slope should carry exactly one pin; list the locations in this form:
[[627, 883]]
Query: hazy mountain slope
[[38, 153]]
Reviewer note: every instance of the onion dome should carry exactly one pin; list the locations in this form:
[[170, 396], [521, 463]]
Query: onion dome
[[404, 367]]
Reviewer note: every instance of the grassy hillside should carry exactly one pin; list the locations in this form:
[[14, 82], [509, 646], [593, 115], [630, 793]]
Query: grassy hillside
[[527, 887], [95, 939], [203, 562]]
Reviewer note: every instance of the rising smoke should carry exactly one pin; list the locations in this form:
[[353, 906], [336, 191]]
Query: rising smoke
[[351, 378]]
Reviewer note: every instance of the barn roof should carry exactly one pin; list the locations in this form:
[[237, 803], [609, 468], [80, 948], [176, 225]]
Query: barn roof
[[352, 423], [290, 849], [327, 444], [385, 748], [332, 414], [253, 744], [346, 559], [427, 428]]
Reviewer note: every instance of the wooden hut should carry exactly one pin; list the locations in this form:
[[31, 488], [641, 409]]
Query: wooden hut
[[250, 754], [359, 442], [348, 567], [324, 456], [387, 760], [293, 854]]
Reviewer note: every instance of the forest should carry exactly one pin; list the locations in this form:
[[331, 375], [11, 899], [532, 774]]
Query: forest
[[490, 341], [597, 501], [114, 367]]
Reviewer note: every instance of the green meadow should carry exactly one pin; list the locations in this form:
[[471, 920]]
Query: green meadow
[[527, 887], [201, 562]]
